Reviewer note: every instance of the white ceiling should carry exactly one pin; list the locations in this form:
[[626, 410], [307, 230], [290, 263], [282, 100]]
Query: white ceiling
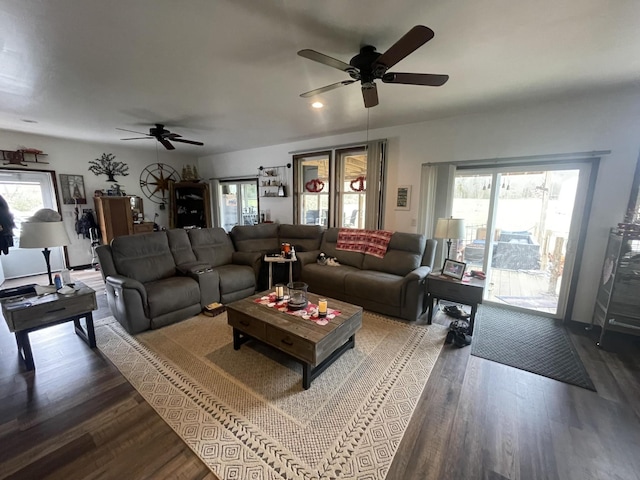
[[226, 72]]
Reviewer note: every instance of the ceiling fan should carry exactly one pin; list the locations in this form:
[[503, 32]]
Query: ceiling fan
[[162, 135], [370, 65]]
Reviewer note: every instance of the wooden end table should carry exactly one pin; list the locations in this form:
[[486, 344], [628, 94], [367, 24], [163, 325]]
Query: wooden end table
[[30, 313], [467, 292]]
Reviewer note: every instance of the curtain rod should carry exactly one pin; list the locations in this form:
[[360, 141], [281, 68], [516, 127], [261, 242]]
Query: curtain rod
[[234, 179], [335, 147], [552, 156]]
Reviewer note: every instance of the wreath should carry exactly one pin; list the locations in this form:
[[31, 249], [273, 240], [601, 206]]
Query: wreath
[[360, 184], [315, 186]]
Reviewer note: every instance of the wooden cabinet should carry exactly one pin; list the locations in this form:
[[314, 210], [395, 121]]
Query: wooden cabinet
[[114, 217], [190, 205], [618, 300]]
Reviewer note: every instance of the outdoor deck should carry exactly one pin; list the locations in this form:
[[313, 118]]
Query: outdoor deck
[[521, 288]]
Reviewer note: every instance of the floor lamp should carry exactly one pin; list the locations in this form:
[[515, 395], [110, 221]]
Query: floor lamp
[[45, 229], [450, 228]]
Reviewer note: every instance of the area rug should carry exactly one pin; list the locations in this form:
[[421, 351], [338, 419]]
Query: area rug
[[245, 414], [541, 301], [529, 342]]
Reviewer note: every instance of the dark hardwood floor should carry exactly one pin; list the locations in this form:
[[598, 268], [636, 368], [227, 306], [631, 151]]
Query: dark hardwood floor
[[77, 417]]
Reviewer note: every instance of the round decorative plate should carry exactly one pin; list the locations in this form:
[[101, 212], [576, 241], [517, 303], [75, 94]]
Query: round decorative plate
[[154, 181]]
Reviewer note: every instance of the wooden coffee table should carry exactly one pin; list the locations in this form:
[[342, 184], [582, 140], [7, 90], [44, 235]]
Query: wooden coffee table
[[30, 313], [314, 346]]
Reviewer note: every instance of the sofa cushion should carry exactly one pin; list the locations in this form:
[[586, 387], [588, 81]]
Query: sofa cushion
[[325, 278], [145, 257], [256, 238], [211, 245], [181, 247], [404, 254], [385, 288], [304, 238], [328, 247], [235, 277], [171, 294]]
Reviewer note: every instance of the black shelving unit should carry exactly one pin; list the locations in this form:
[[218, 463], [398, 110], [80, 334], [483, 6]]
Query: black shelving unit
[[190, 205]]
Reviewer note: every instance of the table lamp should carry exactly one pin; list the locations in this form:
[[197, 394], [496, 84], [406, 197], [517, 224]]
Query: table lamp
[[43, 230], [449, 228]]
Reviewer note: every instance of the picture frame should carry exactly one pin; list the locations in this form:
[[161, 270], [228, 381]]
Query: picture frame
[[403, 197], [72, 189], [453, 269]]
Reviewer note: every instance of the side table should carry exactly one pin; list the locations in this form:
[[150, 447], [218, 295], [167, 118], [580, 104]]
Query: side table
[[279, 259], [30, 313], [468, 292]]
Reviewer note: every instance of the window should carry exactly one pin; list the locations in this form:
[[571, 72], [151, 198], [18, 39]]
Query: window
[[340, 187]]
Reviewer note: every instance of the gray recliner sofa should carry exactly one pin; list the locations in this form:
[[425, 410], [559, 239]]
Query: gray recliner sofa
[[159, 278], [393, 285]]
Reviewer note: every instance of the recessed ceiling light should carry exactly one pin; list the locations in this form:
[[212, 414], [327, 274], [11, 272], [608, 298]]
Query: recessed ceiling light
[[317, 104], [26, 120]]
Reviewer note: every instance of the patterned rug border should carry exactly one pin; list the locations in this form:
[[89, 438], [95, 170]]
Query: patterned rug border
[[277, 461]]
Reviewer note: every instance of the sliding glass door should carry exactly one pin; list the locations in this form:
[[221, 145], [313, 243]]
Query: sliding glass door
[[522, 227], [238, 203]]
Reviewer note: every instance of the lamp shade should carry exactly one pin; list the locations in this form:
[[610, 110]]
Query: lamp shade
[[43, 235], [449, 228]]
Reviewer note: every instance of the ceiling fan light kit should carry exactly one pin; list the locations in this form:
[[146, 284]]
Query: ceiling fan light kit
[[162, 135], [370, 65]]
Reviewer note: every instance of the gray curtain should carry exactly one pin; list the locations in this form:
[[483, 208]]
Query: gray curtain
[[376, 169]]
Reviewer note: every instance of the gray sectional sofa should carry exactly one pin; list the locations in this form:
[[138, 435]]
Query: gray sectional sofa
[[158, 278]]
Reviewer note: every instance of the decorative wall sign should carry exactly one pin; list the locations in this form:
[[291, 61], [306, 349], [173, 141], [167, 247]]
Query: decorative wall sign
[[403, 198], [72, 189]]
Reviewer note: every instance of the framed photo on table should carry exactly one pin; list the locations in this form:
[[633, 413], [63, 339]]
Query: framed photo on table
[[72, 189], [453, 269]]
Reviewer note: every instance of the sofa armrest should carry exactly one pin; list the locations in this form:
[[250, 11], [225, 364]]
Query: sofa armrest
[[122, 282], [192, 268], [306, 258], [419, 275], [251, 259], [414, 291], [429, 256]]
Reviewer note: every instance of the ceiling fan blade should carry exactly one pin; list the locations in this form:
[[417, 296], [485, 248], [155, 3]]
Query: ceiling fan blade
[[132, 131], [136, 138], [325, 59], [166, 144], [326, 88], [191, 142], [410, 42], [370, 95], [428, 79], [171, 136]]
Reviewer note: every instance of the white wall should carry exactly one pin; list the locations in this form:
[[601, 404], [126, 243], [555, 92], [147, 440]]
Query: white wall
[[71, 157], [605, 122]]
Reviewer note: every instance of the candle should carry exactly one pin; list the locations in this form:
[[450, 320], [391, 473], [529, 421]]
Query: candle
[[279, 292], [322, 307]]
